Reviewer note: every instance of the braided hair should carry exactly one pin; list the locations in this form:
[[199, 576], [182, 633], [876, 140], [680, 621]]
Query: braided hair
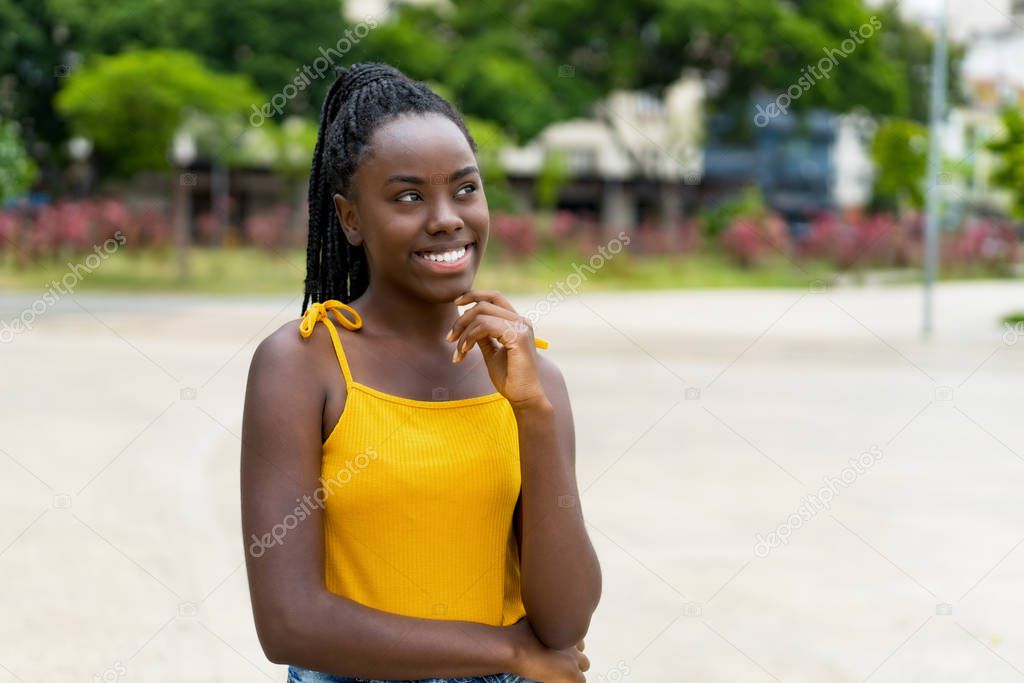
[[363, 98]]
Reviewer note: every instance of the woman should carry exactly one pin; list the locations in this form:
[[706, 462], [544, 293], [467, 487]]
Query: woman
[[408, 483]]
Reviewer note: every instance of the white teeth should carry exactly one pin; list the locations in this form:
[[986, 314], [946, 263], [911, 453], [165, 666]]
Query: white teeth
[[445, 257]]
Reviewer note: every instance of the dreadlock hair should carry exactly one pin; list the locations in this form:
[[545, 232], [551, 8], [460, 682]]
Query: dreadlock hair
[[361, 99]]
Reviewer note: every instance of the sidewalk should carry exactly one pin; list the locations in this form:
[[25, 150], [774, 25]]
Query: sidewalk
[[705, 420]]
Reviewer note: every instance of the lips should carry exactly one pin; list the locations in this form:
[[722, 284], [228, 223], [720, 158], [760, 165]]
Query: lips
[[447, 255], [438, 249]]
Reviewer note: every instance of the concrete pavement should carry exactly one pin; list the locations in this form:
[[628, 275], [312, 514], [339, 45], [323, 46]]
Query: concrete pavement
[[707, 421]]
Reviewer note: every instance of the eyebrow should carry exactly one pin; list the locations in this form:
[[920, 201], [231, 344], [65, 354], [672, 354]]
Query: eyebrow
[[416, 180]]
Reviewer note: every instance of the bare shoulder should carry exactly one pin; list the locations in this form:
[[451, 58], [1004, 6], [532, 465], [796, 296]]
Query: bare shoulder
[[285, 352]]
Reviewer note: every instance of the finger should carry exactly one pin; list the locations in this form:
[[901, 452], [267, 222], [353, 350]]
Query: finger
[[483, 328], [493, 296], [584, 663], [466, 340], [481, 308], [489, 347], [580, 646]]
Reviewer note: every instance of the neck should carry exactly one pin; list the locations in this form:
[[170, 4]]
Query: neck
[[392, 312]]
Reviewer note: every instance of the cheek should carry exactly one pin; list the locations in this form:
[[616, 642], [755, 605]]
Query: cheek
[[479, 217]]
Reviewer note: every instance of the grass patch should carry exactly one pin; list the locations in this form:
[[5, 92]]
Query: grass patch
[[250, 270], [1015, 318]]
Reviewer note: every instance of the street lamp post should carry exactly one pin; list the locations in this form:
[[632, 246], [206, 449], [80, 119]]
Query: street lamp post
[[183, 153], [938, 112], [80, 148]]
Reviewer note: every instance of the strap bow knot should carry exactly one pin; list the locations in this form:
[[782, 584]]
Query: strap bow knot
[[320, 310]]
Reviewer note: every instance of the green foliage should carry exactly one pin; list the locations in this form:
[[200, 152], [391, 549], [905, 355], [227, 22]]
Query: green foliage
[[131, 105], [32, 66], [490, 139], [294, 141], [750, 203], [503, 88], [521, 64], [900, 154], [554, 173], [266, 40], [17, 170], [1009, 172]]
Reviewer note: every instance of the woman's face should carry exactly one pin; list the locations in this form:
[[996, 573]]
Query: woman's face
[[419, 208]]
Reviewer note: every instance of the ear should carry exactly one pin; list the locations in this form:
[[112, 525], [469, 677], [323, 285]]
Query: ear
[[349, 218]]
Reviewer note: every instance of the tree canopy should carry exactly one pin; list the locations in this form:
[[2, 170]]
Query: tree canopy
[[130, 105], [520, 64]]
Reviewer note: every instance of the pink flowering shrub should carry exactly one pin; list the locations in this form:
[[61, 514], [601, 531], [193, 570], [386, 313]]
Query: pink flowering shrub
[[853, 239], [516, 235], [987, 244], [749, 239], [268, 228]]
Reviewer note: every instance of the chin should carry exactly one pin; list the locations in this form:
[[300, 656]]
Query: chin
[[439, 291]]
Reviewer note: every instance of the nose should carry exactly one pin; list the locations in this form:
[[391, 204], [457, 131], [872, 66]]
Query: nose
[[444, 218]]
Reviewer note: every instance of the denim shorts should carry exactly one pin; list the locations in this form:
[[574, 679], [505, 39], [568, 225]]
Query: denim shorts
[[297, 675]]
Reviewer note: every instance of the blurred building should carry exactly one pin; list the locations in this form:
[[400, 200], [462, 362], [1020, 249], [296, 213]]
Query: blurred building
[[637, 158], [804, 164], [992, 77], [967, 18], [641, 158]]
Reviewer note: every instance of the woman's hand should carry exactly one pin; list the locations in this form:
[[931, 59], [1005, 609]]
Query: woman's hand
[[538, 663], [506, 340]]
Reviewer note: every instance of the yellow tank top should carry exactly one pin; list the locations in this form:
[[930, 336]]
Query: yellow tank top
[[418, 498]]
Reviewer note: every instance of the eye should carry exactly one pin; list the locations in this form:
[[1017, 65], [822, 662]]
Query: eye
[[468, 186], [408, 197]]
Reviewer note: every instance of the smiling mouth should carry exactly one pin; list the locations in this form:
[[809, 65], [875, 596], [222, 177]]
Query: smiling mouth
[[449, 257]]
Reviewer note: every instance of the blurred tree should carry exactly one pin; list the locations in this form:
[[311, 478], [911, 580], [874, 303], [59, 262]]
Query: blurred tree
[[417, 41], [900, 155], [521, 64], [554, 173], [487, 56], [909, 49], [792, 49], [1009, 173], [17, 170], [33, 63], [131, 105], [490, 139], [267, 40], [294, 141], [526, 64]]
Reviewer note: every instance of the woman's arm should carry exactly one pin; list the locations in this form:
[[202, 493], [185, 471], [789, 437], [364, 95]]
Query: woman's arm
[[561, 577], [298, 620]]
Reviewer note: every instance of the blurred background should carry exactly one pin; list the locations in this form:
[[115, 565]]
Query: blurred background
[[775, 245]]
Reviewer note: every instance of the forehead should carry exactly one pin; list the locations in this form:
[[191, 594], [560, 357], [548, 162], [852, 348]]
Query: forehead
[[427, 142]]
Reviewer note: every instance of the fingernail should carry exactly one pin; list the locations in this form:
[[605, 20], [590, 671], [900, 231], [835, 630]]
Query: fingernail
[[455, 355], [448, 336]]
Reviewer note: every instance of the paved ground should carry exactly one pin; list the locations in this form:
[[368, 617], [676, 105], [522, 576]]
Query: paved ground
[[704, 419]]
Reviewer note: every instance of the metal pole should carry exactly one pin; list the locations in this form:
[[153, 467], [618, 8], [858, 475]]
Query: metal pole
[[938, 114], [182, 211]]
